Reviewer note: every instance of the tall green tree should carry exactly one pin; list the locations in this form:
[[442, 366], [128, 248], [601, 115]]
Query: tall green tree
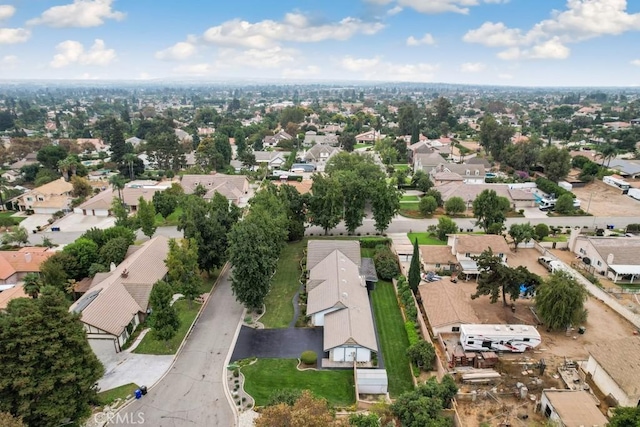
[[489, 209], [521, 233], [50, 155], [427, 205], [354, 192], [146, 217], [625, 417], [327, 203], [560, 301], [113, 251], [455, 205], [494, 136], [85, 252], [296, 207], [121, 214], [209, 224], [495, 278], [385, 204], [556, 162], [564, 204], [421, 181], [414, 268], [445, 226], [182, 265], [164, 318], [254, 247], [48, 371], [32, 284]]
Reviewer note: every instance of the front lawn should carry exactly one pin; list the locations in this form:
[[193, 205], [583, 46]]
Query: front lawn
[[409, 199], [16, 219], [361, 145], [267, 375], [151, 345], [558, 238], [425, 239], [109, 396], [392, 337], [285, 284], [401, 167], [171, 220]]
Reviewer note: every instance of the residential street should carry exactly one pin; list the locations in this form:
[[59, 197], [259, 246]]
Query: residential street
[[192, 393]]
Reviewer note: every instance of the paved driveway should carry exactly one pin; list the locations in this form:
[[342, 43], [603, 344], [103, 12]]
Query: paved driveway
[[277, 343], [141, 369], [76, 222], [192, 393]]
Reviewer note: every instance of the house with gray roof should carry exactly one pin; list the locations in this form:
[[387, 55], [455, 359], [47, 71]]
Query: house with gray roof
[[448, 172], [311, 138], [426, 162], [319, 155], [615, 257], [271, 141], [118, 301], [272, 159], [626, 168], [234, 187], [338, 300]]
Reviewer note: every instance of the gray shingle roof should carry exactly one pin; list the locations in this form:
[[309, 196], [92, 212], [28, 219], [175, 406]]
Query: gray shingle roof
[[317, 250], [619, 358]]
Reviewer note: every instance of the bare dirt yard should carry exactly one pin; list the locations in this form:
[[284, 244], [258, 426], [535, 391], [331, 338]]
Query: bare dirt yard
[[497, 403], [606, 200]]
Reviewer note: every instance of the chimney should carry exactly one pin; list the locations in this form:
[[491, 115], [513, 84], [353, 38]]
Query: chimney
[[112, 267], [610, 259], [27, 257]]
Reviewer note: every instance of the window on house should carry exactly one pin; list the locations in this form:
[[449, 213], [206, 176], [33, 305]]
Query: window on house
[[437, 265], [526, 339], [29, 199], [455, 329], [468, 255], [598, 263]]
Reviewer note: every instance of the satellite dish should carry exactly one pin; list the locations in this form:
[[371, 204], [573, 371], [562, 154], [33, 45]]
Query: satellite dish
[[586, 260]]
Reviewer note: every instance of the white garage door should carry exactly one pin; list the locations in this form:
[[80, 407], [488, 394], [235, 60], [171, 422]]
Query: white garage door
[[105, 349]]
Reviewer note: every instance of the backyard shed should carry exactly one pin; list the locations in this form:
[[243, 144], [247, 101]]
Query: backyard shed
[[372, 381]]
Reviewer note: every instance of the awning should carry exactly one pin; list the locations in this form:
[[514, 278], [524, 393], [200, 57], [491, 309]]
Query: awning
[[626, 269]]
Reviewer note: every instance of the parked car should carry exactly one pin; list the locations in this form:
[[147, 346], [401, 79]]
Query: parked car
[[546, 262]]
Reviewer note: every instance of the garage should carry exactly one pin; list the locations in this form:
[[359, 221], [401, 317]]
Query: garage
[[104, 348]]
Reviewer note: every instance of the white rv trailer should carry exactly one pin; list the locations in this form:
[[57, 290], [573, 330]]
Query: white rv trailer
[[512, 338], [618, 183]]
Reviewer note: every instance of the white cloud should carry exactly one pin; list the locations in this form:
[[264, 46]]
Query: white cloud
[[73, 52], [582, 20], [274, 57], [394, 10], [505, 76], [295, 27], [473, 67], [377, 69], [301, 73], [437, 6], [494, 34], [9, 61], [6, 11], [14, 35], [178, 52], [426, 39], [194, 69], [80, 13], [636, 62]]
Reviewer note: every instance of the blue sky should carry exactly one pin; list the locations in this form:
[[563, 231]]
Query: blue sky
[[504, 42]]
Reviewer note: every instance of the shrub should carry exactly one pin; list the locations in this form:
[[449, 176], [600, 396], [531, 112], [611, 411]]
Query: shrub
[[551, 187], [412, 334], [386, 263], [541, 231], [309, 357], [633, 228], [287, 396], [374, 242], [422, 354]]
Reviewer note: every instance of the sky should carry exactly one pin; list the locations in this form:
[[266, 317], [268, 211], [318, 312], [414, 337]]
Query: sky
[[489, 42]]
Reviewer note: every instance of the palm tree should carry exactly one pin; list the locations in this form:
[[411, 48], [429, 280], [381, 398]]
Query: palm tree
[[32, 285], [130, 158], [608, 152], [68, 166], [117, 182], [3, 183]]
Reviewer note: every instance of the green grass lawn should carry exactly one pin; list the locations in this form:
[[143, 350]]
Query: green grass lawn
[[267, 375], [362, 146], [151, 345], [409, 199], [392, 337], [401, 167], [16, 219], [171, 220], [425, 239], [109, 396], [285, 284], [558, 238]]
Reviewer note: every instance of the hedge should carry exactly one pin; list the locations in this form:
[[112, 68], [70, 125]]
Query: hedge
[[372, 242], [549, 187], [309, 357], [412, 334]]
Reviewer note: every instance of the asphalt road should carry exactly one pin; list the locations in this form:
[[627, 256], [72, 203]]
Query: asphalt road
[[192, 393], [400, 224]]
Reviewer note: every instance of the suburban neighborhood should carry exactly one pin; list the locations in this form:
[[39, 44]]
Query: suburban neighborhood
[[369, 249]]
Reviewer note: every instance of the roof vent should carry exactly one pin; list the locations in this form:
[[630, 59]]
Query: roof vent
[[497, 328], [345, 295]]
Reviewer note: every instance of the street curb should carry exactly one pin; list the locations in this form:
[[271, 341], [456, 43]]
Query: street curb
[[175, 356], [227, 393]]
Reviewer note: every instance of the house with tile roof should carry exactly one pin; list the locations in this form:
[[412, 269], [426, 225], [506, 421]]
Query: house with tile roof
[[614, 367], [234, 187], [467, 246], [14, 265], [118, 301], [48, 198], [446, 306], [100, 204], [338, 300]]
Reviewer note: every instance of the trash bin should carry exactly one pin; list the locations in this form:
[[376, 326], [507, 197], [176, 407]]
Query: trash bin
[[582, 330], [138, 393], [143, 389]]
